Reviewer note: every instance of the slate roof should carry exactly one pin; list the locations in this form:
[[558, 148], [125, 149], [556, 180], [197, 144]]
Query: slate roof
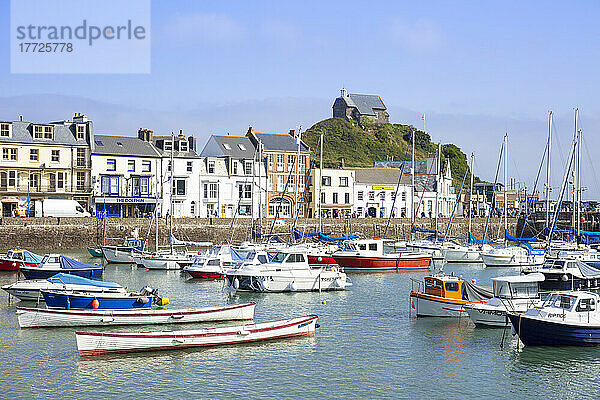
[[379, 176], [64, 133], [226, 145], [280, 141], [421, 167], [365, 103], [123, 145], [176, 153]]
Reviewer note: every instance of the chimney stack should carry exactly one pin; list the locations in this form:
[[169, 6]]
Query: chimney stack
[[192, 143], [181, 133], [145, 134], [250, 130], [293, 132], [344, 93], [80, 118], [21, 117]]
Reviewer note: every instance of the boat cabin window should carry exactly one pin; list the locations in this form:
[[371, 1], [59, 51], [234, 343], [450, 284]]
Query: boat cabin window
[[214, 262], [349, 246], [293, 258], [362, 246], [560, 301], [262, 258], [373, 246], [451, 286], [9, 254], [18, 256], [524, 289], [571, 265], [48, 259], [586, 305], [557, 264], [250, 255], [279, 257], [433, 286]]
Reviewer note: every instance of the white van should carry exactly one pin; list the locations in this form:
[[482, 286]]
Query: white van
[[59, 208]]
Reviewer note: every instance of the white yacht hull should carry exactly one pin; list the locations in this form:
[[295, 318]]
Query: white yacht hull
[[462, 255]]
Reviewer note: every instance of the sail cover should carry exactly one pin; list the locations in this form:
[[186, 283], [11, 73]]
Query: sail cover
[[423, 230], [473, 292], [69, 263], [474, 240], [78, 280], [512, 238], [177, 242], [303, 235], [326, 238]]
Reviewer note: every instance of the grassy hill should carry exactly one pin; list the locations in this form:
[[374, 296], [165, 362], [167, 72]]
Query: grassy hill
[[360, 146]]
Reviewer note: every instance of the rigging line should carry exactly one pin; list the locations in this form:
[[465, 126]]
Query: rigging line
[[587, 152], [493, 203], [556, 137], [533, 190]]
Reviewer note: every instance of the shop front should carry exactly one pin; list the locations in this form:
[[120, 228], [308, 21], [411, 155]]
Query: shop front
[[125, 207]]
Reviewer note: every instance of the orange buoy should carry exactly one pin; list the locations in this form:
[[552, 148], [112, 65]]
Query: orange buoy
[[95, 304]]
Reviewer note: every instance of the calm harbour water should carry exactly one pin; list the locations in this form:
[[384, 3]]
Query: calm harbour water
[[368, 346]]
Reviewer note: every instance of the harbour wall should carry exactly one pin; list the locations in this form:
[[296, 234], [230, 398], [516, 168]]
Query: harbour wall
[[78, 233]]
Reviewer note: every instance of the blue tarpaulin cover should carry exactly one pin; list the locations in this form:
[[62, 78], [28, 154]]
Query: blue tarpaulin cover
[[31, 257], [69, 263], [78, 280], [424, 230], [303, 235], [235, 256], [512, 238]]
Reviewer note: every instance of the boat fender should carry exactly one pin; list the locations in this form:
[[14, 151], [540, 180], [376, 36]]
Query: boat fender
[[142, 300], [512, 330], [320, 259], [565, 278], [293, 286], [236, 284], [227, 282], [95, 304]]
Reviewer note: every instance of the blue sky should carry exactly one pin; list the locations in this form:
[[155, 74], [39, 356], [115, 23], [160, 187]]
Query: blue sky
[[476, 69]]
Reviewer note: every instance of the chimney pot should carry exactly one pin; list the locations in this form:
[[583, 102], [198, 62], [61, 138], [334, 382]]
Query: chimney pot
[[21, 118], [292, 132]]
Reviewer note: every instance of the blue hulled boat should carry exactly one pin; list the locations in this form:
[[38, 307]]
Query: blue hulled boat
[[564, 319], [69, 299], [53, 264]]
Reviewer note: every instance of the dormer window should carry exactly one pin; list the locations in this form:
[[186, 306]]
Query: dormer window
[[5, 129], [211, 167], [81, 132], [242, 147], [168, 145], [43, 132], [182, 146], [226, 146]]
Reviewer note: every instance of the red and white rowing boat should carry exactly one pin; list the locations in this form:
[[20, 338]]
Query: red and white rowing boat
[[98, 343], [53, 317], [369, 256]]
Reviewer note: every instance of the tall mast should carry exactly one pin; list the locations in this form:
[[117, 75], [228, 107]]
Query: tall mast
[[413, 211], [575, 172], [171, 196], [578, 181], [505, 184], [320, 184], [548, 171], [298, 140], [471, 193], [437, 187], [260, 164]]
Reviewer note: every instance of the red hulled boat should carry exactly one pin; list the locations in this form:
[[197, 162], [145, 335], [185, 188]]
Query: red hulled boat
[[15, 259], [369, 256]]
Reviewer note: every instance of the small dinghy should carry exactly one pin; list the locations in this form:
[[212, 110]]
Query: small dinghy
[[68, 299], [564, 319], [43, 317], [52, 264], [98, 343], [30, 289]]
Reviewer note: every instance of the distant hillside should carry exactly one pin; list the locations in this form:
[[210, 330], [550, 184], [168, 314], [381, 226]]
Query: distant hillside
[[361, 146]]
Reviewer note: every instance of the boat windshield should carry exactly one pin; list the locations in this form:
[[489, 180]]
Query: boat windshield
[[51, 260], [279, 257], [250, 255], [17, 255], [560, 301], [556, 264], [262, 258]]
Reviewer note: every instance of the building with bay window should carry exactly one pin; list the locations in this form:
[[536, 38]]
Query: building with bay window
[[232, 169], [44, 160], [124, 171], [287, 161]]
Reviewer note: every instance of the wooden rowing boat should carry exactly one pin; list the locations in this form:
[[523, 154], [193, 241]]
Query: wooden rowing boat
[[43, 317], [98, 343]]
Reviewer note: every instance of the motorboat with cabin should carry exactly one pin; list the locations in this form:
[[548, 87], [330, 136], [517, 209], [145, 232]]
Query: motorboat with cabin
[[53, 264], [569, 318], [287, 271], [445, 296], [369, 255], [30, 289], [15, 259], [515, 293], [214, 263], [567, 274]]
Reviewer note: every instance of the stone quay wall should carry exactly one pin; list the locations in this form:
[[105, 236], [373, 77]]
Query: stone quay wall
[[80, 233]]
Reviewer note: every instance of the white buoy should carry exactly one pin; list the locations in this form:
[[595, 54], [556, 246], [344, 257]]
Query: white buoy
[[236, 284]]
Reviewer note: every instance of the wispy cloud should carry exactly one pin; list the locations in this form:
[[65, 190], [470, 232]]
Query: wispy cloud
[[281, 33], [213, 29], [421, 35]]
